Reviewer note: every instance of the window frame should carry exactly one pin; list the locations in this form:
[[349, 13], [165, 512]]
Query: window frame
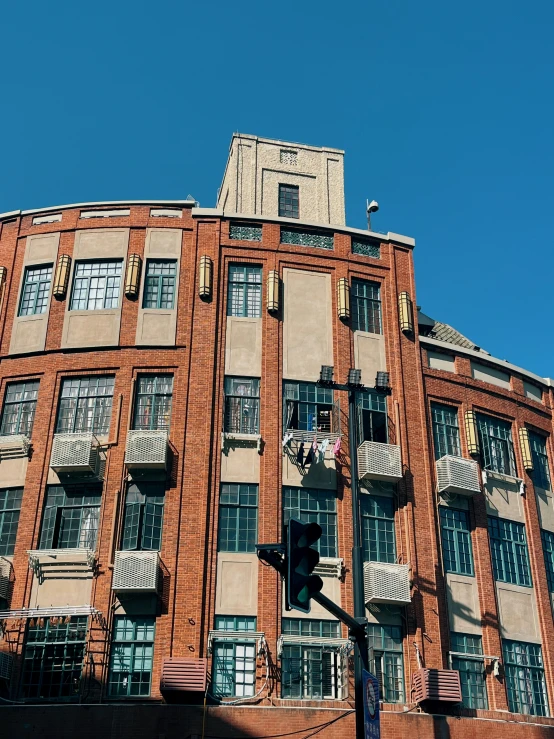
[[29, 418], [53, 516], [244, 295], [466, 656], [517, 671], [10, 511], [101, 416], [245, 537], [507, 553], [457, 543], [387, 643], [377, 518], [446, 430], [140, 516], [327, 546], [372, 416], [365, 306], [241, 403], [136, 644], [36, 294], [104, 290], [159, 279], [246, 624], [493, 434], [547, 539], [289, 201], [541, 468], [158, 397], [298, 409]]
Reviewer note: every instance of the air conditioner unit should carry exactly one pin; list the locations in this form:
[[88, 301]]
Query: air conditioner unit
[[136, 572], [184, 675], [6, 663], [457, 475], [14, 445], [75, 453], [146, 450], [386, 583], [377, 461], [436, 685]]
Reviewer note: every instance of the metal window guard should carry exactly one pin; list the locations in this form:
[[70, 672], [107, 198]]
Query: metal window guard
[[242, 636], [486, 474], [76, 556], [49, 611], [329, 567], [228, 437], [331, 642]]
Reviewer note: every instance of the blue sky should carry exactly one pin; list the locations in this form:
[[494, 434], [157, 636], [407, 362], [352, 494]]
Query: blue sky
[[445, 111]]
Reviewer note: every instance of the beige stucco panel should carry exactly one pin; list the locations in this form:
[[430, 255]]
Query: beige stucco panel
[[91, 328], [41, 248], [369, 355], [240, 463], [517, 611], [322, 476], [331, 588], [156, 327], [307, 325], [439, 361], [463, 604], [163, 242], [381, 614], [490, 375], [13, 472], [237, 584], [243, 347], [29, 333], [72, 588], [545, 504], [101, 243], [503, 499]]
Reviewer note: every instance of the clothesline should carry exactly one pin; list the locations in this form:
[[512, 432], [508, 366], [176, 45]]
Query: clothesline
[[316, 451]]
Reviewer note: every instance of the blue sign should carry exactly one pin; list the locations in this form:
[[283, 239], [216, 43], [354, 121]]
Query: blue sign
[[371, 706]]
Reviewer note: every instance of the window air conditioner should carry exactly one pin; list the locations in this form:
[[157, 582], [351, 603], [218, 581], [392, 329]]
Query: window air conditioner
[[14, 445], [387, 583], [146, 450], [75, 453], [457, 475]]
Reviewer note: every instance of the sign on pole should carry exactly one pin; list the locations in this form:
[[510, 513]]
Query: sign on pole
[[371, 706]]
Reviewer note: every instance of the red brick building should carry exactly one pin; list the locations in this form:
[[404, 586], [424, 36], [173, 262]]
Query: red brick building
[[161, 414]]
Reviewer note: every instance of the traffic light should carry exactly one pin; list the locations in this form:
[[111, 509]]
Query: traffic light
[[301, 560]]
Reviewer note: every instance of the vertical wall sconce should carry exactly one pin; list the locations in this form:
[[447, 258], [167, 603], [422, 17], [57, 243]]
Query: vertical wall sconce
[[205, 277], [132, 278], [472, 436], [273, 291], [406, 313], [3, 276], [525, 445], [61, 277], [343, 298]]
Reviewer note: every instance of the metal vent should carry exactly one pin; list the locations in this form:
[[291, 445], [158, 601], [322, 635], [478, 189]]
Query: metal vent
[[386, 583], [378, 461], [329, 567], [76, 452], [6, 662], [136, 572], [457, 475], [184, 674], [15, 445], [146, 449], [5, 577], [436, 685]]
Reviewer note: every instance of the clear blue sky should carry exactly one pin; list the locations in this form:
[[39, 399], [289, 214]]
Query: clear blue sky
[[445, 111]]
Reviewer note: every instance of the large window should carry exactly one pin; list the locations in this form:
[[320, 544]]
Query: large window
[[10, 507], [548, 549], [366, 306], [144, 515], [36, 289], [159, 285], [372, 417], [497, 449], [242, 405], [289, 201], [320, 506], [238, 517], [445, 430], [525, 678], [153, 403], [234, 660], [541, 471], [96, 285], [131, 657], [244, 294], [308, 407], [378, 528], [85, 405], [387, 648], [71, 517], [510, 559], [456, 541], [469, 662], [18, 413], [53, 658]]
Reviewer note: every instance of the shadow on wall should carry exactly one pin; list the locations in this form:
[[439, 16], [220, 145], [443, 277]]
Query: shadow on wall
[[441, 729]]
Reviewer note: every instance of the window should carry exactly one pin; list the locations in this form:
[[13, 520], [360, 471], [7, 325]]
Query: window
[[372, 417], [244, 294], [19, 408], [153, 407], [53, 658], [311, 627], [143, 517], [541, 472], [446, 433], [497, 449], [456, 541], [387, 645], [548, 549], [96, 285], [289, 201], [378, 528], [242, 405], [509, 551], [36, 289], [308, 407], [10, 506], [525, 678], [234, 661], [131, 656], [238, 518], [366, 306], [159, 285], [469, 663], [71, 517], [85, 405], [320, 506]]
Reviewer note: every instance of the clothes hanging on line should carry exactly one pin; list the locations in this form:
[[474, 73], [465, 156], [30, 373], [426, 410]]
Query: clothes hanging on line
[[287, 438], [322, 449], [310, 457], [336, 447], [300, 454]]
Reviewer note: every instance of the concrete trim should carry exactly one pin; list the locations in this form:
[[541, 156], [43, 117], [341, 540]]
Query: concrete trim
[[279, 142], [96, 204]]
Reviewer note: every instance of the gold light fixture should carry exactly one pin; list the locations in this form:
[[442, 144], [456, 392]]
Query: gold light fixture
[[525, 444], [205, 277], [343, 298], [61, 277], [406, 313], [132, 278], [3, 276], [472, 436], [273, 291]]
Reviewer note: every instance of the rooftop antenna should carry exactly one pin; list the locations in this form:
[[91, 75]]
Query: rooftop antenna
[[371, 207]]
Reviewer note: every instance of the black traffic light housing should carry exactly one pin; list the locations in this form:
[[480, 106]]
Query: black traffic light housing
[[300, 561]]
